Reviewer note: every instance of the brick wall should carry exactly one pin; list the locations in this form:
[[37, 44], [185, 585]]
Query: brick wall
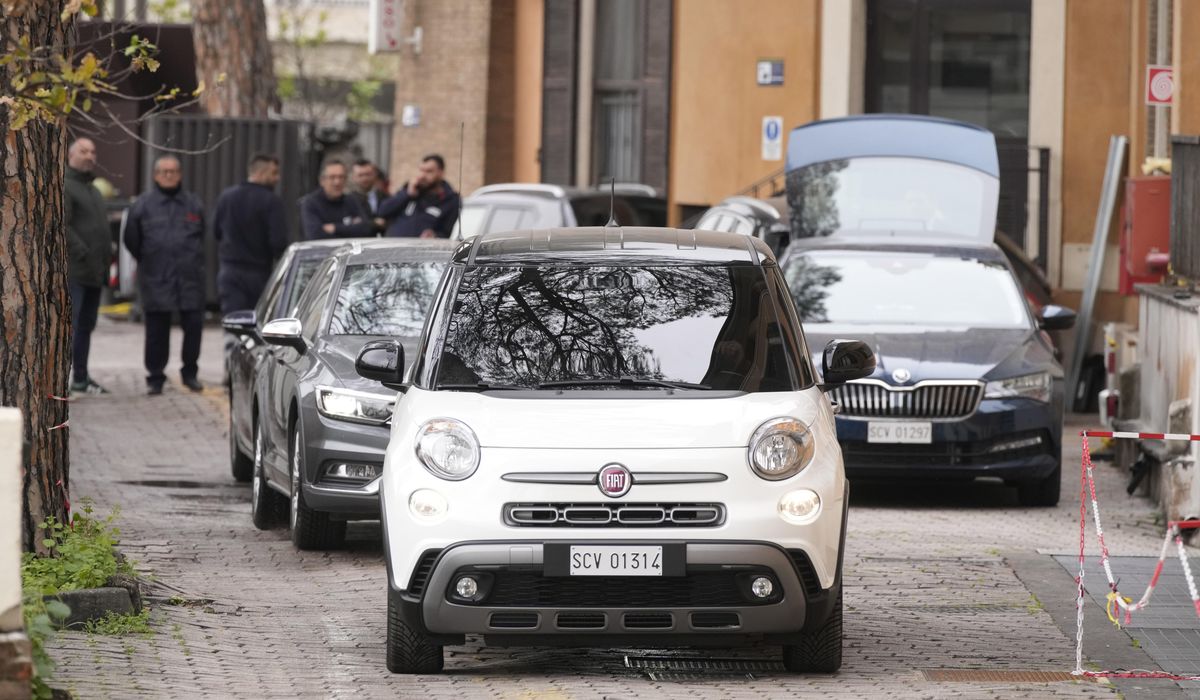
[[448, 82]]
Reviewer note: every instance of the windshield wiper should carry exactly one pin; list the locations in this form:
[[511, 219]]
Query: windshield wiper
[[622, 381], [482, 386]]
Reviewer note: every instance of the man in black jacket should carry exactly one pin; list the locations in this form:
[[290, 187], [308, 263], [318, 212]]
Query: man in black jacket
[[89, 247], [251, 231], [165, 233], [328, 212], [425, 206]]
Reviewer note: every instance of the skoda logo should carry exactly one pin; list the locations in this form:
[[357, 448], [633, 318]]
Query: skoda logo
[[901, 376], [614, 480]]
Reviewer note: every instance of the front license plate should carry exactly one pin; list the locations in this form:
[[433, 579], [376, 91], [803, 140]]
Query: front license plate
[[589, 560], [897, 432]]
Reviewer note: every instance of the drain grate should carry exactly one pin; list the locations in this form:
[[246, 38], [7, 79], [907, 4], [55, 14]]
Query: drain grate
[[692, 668], [970, 675]]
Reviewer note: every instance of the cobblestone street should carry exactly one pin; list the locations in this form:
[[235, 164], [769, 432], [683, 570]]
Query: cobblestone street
[[930, 583]]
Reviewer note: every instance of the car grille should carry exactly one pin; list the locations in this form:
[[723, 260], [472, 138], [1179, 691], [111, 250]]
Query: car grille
[[1014, 446], [420, 575], [700, 589], [940, 401], [614, 514], [808, 574]]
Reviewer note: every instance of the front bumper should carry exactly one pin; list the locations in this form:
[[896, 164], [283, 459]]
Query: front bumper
[[328, 441], [524, 606], [1015, 439]]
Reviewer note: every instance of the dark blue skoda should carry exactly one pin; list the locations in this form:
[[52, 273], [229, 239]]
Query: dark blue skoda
[[966, 383]]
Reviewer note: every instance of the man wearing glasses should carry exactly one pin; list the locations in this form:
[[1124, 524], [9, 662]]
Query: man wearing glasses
[[165, 233]]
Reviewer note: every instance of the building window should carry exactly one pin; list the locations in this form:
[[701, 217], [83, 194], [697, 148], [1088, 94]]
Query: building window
[[617, 112]]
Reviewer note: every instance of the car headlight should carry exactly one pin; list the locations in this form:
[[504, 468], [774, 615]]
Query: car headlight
[[780, 448], [356, 406], [448, 448], [1028, 386]]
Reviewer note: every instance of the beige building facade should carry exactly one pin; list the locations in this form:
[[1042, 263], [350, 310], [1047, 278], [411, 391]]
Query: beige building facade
[[666, 92]]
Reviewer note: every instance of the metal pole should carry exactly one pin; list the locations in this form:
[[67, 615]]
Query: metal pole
[[1162, 56], [1104, 215], [585, 85]]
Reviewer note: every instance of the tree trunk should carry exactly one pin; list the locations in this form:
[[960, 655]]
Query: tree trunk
[[34, 313], [231, 40]]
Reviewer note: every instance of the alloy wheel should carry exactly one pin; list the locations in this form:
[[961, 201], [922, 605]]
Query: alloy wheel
[[295, 509]]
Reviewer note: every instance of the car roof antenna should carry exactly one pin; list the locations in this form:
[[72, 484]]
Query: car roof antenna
[[612, 206]]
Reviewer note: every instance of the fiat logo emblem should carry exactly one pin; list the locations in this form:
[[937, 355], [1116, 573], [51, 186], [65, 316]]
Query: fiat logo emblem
[[901, 375], [614, 480]]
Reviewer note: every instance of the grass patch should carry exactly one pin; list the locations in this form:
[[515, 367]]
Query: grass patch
[[81, 553], [118, 624]]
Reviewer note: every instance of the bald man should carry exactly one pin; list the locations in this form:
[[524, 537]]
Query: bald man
[[165, 232], [89, 249]]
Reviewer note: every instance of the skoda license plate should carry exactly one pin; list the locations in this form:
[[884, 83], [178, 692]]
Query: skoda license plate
[[590, 560], [900, 432]]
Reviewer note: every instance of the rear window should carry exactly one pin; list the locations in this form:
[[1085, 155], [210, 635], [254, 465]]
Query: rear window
[[385, 298], [697, 327]]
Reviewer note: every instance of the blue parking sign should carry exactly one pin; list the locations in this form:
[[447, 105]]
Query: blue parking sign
[[772, 138]]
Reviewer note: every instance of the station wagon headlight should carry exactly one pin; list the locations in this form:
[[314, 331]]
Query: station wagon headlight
[[355, 406], [1029, 386], [448, 448], [780, 448]]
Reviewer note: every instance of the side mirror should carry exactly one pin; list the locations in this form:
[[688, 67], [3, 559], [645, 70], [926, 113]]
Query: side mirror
[[1056, 318], [845, 360], [241, 323], [777, 238], [285, 332], [382, 361]]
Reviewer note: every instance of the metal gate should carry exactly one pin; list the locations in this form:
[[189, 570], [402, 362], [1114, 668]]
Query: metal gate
[[214, 152]]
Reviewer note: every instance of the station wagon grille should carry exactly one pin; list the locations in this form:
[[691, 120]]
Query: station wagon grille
[[932, 400], [614, 515]]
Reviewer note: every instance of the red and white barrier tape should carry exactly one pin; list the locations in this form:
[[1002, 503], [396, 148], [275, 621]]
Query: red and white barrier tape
[[1117, 602]]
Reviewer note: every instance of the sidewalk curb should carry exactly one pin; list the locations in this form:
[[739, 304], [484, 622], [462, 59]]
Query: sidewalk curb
[[1104, 644]]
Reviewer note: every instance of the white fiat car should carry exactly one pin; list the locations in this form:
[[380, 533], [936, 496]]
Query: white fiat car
[[613, 436]]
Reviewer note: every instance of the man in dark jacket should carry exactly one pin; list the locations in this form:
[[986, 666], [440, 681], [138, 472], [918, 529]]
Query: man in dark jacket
[[89, 247], [328, 212], [165, 233], [425, 206], [251, 232]]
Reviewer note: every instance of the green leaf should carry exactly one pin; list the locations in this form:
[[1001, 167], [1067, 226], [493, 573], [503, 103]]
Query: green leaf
[[48, 543], [57, 609]]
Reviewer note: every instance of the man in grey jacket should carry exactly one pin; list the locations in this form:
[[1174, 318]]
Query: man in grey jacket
[[89, 249], [165, 233]]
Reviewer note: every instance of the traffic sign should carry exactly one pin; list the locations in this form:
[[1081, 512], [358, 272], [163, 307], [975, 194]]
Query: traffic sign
[[1160, 85], [772, 138]]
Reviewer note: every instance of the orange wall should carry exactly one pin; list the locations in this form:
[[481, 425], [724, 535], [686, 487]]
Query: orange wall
[[527, 133], [1097, 104], [717, 106]]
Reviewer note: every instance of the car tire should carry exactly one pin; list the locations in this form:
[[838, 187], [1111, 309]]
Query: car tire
[[265, 504], [240, 465], [1043, 493], [311, 529], [819, 651], [408, 649]]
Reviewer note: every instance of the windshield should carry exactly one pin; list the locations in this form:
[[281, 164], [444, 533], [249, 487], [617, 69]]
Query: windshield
[[869, 288], [892, 194], [385, 299], [711, 327]]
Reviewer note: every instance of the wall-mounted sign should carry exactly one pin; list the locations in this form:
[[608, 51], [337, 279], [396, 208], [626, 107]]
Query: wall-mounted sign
[[385, 30], [1160, 85], [770, 71], [772, 138]]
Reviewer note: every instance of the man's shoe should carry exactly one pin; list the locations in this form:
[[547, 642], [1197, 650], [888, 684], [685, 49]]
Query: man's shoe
[[87, 387], [154, 388], [193, 384]]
